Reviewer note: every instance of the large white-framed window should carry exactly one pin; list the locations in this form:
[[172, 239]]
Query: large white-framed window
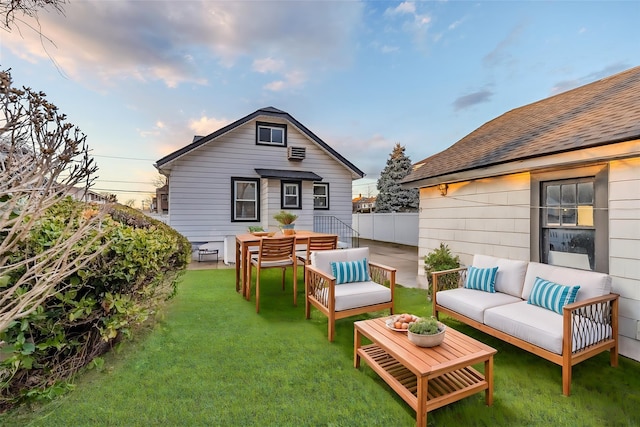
[[571, 229], [245, 203], [320, 195], [291, 194], [271, 134]]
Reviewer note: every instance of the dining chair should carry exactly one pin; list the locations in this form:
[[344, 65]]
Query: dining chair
[[274, 252], [316, 243]]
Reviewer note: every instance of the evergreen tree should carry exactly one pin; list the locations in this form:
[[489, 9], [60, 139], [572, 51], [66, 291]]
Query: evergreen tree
[[392, 197]]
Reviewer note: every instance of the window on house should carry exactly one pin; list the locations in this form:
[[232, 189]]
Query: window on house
[[568, 232], [271, 134], [320, 195], [572, 226], [291, 191], [245, 199]]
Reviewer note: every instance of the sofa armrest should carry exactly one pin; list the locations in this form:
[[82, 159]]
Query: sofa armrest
[[446, 279], [590, 322]]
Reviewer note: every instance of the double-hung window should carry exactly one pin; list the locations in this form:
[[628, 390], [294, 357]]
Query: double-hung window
[[320, 195], [245, 199], [572, 227], [271, 134], [291, 191], [568, 233]]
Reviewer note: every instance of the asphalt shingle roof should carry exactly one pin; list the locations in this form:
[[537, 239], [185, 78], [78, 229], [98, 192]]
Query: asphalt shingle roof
[[600, 113]]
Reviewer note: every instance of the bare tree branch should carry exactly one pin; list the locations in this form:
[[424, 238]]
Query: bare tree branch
[[42, 157], [30, 8]]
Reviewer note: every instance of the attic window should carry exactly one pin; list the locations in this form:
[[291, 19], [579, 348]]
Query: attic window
[[271, 134]]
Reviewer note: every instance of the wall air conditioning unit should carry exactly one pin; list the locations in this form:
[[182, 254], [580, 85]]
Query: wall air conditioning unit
[[296, 153]]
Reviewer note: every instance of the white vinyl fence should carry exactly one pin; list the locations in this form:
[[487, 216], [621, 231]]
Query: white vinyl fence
[[394, 227]]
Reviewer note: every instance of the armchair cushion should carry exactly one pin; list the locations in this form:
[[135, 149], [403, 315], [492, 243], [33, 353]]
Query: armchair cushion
[[350, 271], [360, 294]]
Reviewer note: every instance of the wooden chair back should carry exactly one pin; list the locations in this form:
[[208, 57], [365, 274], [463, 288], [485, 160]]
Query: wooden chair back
[[276, 249], [319, 243]]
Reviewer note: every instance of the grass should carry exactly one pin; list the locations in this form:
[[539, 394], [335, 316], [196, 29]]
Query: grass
[[211, 360]]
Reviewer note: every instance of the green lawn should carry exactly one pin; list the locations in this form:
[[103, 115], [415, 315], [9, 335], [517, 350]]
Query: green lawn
[[211, 360]]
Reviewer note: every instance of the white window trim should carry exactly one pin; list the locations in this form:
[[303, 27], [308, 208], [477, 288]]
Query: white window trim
[[235, 199], [271, 126], [326, 196], [298, 194]]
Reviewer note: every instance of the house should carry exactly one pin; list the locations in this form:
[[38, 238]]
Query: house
[[244, 173], [556, 181], [161, 200], [363, 204], [89, 196]]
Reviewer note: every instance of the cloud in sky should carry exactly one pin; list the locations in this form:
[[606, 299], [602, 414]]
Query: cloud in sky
[[501, 54], [157, 40], [205, 125], [472, 99], [416, 25], [565, 85]]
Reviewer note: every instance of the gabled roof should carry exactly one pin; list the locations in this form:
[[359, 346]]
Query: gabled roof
[[267, 111], [603, 112]]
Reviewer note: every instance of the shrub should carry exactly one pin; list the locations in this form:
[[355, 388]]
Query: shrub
[[425, 326], [94, 308], [438, 260]]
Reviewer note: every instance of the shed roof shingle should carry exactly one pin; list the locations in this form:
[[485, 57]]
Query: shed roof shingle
[[603, 112]]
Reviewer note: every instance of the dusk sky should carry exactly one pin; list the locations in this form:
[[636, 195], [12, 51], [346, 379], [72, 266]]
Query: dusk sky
[[141, 78]]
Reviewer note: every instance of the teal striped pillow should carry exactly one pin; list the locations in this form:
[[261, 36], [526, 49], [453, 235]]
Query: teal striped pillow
[[482, 279], [350, 271], [552, 296]]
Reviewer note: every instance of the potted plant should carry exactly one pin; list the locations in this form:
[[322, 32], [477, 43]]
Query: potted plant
[[426, 332], [286, 221]]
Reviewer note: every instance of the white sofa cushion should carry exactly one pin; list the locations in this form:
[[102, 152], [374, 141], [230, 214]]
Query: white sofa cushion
[[530, 323], [472, 303], [592, 284], [542, 327], [511, 273], [322, 259], [360, 294]]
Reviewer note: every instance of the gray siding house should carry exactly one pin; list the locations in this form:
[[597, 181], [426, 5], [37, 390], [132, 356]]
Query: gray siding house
[[556, 181], [244, 173]]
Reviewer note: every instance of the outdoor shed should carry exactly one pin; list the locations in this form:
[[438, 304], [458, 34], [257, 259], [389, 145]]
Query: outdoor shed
[[556, 181]]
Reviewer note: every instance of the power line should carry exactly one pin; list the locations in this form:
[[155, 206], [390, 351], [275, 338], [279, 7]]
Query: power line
[[124, 182], [111, 190], [123, 158]]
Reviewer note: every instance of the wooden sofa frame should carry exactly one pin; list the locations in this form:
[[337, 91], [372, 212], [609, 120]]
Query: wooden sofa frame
[[604, 307], [316, 281]]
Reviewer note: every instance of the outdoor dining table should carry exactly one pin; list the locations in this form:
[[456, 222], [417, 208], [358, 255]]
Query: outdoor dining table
[[243, 263]]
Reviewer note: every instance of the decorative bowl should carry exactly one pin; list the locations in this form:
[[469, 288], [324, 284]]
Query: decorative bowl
[[428, 340], [264, 233], [390, 322]]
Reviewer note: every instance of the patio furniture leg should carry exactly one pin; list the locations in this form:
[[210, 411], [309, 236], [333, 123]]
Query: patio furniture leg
[[258, 291]]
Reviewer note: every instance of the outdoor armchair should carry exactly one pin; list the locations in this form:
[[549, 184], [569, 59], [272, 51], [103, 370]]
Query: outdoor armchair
[[343, 282]]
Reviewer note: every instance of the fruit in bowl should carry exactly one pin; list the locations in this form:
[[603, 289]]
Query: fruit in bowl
[[401, 321]]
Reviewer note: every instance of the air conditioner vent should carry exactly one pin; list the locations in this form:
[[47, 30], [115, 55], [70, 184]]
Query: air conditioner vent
[[296, 153]]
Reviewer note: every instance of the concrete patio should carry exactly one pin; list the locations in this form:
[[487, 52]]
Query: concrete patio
[[404, 258]]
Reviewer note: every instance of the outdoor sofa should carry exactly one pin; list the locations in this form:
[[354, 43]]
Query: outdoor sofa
[[519, 308]]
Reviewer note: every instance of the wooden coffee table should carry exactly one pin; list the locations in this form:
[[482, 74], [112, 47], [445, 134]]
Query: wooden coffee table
[[426, 378]]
